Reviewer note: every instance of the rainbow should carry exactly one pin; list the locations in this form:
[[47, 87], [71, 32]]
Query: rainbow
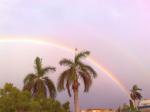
[[6, 40]]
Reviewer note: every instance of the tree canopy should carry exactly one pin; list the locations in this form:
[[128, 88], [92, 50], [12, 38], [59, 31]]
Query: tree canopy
[[14, 100]]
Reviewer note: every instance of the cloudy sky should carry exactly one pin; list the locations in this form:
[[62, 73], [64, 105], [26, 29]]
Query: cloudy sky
[[115, 31]]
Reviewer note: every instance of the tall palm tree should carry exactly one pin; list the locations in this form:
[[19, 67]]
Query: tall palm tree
[[38, 83], [136, 95], [76, 70]]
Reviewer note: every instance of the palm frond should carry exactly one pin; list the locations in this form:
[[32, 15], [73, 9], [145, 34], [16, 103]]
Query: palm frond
[[133, 97], [66, 62], [39, 89], [138, 95], [68, 84], [29, 82], [62, 79], [38, 65], [47, 69], [83, 54], [87, 80], [29, 77], [51, 87], [28, 86], [136, 88], [88, 69]]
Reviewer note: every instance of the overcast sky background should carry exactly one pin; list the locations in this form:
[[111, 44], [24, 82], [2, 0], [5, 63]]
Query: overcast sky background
[[117, 32]]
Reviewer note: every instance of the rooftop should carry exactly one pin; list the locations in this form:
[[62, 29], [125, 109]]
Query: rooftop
[[98, 110]]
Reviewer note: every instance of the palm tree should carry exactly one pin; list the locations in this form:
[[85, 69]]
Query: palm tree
[[136, 95], [76, 70], [38, 83]]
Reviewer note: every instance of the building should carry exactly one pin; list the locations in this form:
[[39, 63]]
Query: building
[[145, 105], [145, 102], [98, 110]]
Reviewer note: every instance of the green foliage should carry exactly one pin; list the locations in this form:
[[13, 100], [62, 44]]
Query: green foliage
[[66, 106], [14, 100]]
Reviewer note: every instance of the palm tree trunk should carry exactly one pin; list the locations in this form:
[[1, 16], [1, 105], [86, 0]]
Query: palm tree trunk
[[135, 105], [76, 97]]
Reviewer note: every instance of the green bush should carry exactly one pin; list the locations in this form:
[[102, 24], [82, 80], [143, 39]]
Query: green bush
[[14, 100]]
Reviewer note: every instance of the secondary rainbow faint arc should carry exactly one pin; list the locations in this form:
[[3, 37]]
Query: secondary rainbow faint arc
[[66, 48]]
